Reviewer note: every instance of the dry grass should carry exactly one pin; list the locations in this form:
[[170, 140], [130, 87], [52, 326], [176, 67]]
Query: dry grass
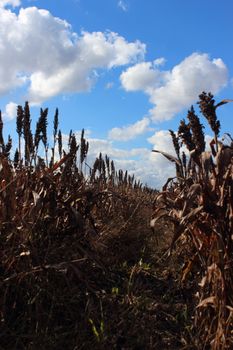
[[80, 267], [74, 250], [199, 203]]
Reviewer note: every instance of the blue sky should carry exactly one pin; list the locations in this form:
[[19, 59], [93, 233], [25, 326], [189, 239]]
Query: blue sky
[[125, 70]]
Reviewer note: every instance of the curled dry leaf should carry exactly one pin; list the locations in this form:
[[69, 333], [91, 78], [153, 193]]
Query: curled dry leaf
[[168, 156], [210, 301]]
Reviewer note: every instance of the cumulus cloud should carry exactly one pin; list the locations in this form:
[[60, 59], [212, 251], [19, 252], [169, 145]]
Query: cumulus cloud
[[159, 61], [10, 111], [13, 3], [64, 62], [172, 91], [142, 76], [161, 140], [106, 147], [131, 131]]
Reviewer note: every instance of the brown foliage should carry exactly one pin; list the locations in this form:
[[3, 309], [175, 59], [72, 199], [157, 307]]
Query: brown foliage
[[60, 235], [199, 203]]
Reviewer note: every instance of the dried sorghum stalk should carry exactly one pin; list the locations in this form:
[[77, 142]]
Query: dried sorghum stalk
[[19, 126], [175, 141], [55, 128], [112, 168], [16, 158], [94, 168], [60, 143], [184, 162], [198, 136], [1, 134], [83, 148], [55, 124], [8, 146], [41, 131], [208, 109], [185, 135], [27, 133], [73, 145]]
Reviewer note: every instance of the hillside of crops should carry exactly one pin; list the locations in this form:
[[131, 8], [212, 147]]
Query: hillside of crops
[[93, 259]]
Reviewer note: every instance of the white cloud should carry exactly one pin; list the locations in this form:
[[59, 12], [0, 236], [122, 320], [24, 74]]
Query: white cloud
[[172, 91], [63, 63], [13, 3], [131, 131], [162, 141], [106, 147], [122, 4], [159, 61], [10, 111], [142, 76]]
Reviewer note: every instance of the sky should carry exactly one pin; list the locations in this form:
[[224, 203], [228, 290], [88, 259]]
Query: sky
[[126, 71]]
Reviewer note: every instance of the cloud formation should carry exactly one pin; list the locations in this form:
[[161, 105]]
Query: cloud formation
[[159, 61], [142, 76], [10, 111], [131, 131], [14, 3], [172, 91], [43, 53]]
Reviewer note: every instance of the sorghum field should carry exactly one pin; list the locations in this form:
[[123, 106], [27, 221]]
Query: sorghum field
[[82, 268]]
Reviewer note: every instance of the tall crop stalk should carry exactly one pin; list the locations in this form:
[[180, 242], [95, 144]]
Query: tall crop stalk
[[29, 147], [200, 206], [1, 134], [55, 131], [19, 128]]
